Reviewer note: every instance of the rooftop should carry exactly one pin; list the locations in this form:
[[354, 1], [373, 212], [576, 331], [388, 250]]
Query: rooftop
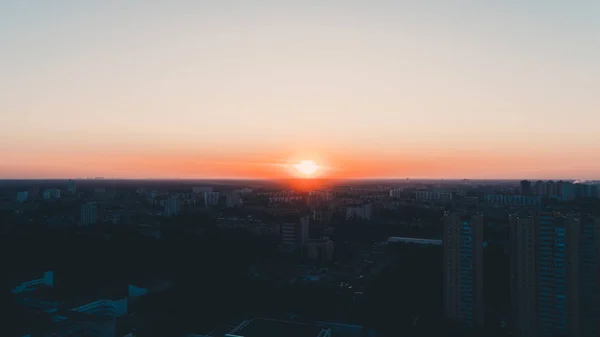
[[261, 327]]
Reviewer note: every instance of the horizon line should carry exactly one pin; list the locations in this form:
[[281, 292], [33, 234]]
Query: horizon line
[[297, 178]]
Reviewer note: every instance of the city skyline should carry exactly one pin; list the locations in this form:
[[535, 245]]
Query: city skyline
[[229, 89]]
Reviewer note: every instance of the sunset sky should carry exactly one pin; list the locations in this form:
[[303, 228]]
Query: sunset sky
[[240, 89]]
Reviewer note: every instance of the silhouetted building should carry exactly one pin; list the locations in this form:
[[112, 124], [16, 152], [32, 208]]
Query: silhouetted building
[[211, 198], [320, 249], [513, 200], [463, 268], [233, 199], [359, 212], [433, 196], [396, 193], [541, 189], [295, 234], [558, 275], [172, 206], [523, 276], [526, 188], [89, 214], [71, 187], [590, 276]]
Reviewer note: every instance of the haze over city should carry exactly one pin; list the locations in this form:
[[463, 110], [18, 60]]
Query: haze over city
[[244, 89]]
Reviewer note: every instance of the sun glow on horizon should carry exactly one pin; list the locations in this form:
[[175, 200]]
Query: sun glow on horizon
[[307, 167]]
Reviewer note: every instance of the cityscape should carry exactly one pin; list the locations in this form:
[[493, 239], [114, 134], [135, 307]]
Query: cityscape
[[407, 257], [299, 168]]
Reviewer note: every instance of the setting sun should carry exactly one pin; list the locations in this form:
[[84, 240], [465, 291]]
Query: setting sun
[[307, 167]]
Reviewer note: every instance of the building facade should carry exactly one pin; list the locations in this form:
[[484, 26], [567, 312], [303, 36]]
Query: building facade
[[172, 206], [211, 198], [89, 214], [553, 258], [463, 269], [590, 276], [523, 276]]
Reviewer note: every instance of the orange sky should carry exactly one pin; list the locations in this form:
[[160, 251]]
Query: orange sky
[[275, 165], [236, 89]]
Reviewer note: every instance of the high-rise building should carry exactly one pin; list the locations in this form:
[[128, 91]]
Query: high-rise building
[[463, 268], [89, 213], [71, 187], [541, 189], [211, 198], [526, 188], [523, 276], [590, 276], [545, 274], [171, 206], [295, 234], [557, 264], [396, 192], [551, 189]]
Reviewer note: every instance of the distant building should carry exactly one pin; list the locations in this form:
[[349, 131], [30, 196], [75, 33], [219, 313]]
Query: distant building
[[244, 191], [396, 193], [233, 199], [321, 216], [71, 187], [22, 196], [202, 189], [540, 189], [211, 198], [463, 269], [526, 188], [52, 194], [89, 214], [295, 234], [513, 200], [565, 190], [318, 197], [433, 196], [171, 206], [359, 212]]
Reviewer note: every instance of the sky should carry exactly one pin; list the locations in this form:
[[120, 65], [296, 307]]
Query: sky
[[243, 89]]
